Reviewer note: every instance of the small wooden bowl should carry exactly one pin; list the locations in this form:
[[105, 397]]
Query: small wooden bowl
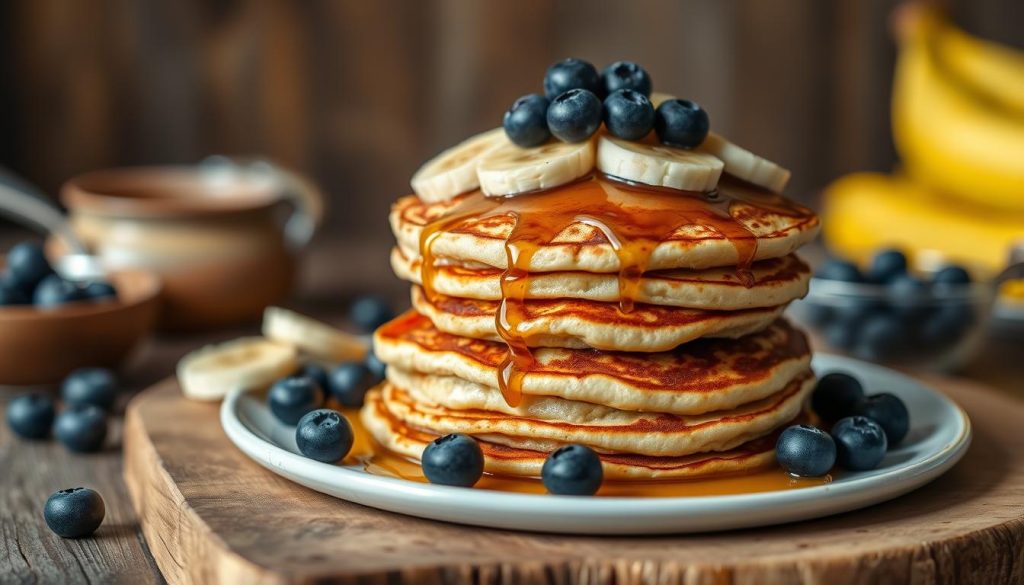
[[41, 346]]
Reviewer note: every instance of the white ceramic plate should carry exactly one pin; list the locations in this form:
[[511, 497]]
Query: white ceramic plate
[[940, 434]]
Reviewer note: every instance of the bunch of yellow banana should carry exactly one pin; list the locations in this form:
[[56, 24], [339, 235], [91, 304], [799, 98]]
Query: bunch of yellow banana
[[958, 123]]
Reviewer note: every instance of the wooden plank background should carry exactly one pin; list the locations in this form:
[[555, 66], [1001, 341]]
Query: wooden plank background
[[358, 94]]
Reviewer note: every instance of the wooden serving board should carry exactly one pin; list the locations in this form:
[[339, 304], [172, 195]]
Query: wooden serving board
[[210, 515]]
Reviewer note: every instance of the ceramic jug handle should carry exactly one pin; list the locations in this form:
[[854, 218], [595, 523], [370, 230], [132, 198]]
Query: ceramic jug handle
[[304, 196]]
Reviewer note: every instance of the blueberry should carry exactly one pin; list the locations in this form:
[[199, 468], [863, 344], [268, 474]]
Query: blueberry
[[317, 372], [571, 74], [836, 396], [95, 386], [945, 325], [909, 295], [28, 264], [99, 290], [628, 114], [376, 367], [526, 122], [681, 123], [453, 460], [860, 443], [574, 115], [349, 382], [626, 75], [886, 266], [952, 275], [882, 337], [840, 270], [324, 435], [12, 294], [890, 413], [75, 512], [370, 312], [292, 397], [841, 334], [31, 416], [54, 291], [573, 470], [82, 428], [805, 451]]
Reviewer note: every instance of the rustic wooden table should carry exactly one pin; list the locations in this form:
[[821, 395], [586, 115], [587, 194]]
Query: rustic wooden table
[[30, 471]]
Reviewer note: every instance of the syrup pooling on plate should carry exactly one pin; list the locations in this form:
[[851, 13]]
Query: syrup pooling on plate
[[634, 219]]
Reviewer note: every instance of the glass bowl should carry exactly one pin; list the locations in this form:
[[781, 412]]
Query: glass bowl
[[938, 328]]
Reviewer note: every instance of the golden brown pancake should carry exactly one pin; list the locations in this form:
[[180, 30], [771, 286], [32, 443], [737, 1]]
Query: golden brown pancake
[[778, 226], [501, 459], [775, 282], [701, 376], [644, 433], [580, 324]]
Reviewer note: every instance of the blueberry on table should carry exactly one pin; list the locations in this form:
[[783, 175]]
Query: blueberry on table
[[951, 275], [860, 443], [81, 428], [95, 386], [27, 264], [526, 122], [317, 372], [886, 266], [31, 416], [376, 367], [805, 451], [681, 123], [324, 435], [840, 270], [574, 116], [836, 396], [573, 470], [75, 512], [628, 114], [11, 294], [370, 312], [890, 413], [54, 291], [292, 397], [626, 75], [453, 460], [349, 382], [99, 290], [571, 74]]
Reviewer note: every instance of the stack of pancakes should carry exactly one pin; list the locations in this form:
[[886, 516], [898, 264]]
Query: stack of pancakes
[[694, 373]]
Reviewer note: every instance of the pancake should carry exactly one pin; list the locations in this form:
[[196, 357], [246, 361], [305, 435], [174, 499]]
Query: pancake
[[643, 434], [777, 226], [588, 324], [510, 461], [701, 376], [776, 281]]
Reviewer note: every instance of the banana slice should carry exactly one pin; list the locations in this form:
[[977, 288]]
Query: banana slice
[[658, 165], [453, 172], [323, 342], [209, 373], [743, 164], [510, 169]]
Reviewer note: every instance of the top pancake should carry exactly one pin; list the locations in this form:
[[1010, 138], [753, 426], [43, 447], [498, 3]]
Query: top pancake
[[584, 247]]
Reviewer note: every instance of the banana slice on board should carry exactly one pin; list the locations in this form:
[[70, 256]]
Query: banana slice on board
[[511, 170], [209, 373], [658, 165], [319, 340], [743, 164], [453, 172]]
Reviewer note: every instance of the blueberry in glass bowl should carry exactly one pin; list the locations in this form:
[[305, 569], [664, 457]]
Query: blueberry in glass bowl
[[889, 314]]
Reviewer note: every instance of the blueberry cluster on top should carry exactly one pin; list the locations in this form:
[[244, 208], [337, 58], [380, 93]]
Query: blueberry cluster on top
[[28, 279], [577, 99]]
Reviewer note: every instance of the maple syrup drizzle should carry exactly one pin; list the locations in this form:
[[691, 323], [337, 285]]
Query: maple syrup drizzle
[[377, 460], [634, 219]]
